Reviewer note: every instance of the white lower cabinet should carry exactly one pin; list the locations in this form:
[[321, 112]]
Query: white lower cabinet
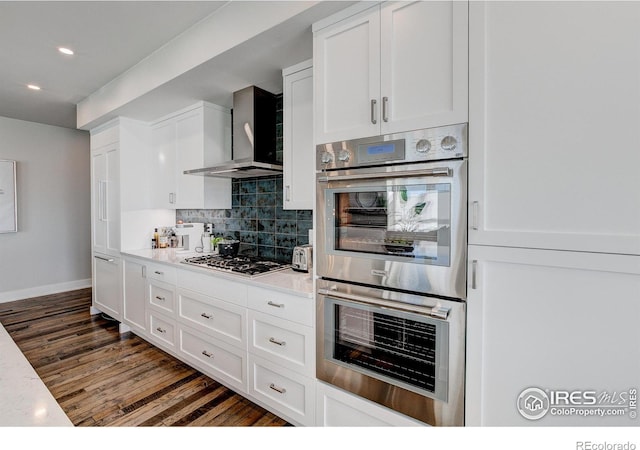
[[287, 393], [281, 353], [287, 343], [107, 285], [223, 321], [337, 408], [135, 294], [162, 330], [564, 323], [162, 297], [221, 361]]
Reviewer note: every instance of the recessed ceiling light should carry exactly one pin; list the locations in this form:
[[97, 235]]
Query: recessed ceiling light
[[33, 87], [66, 51]]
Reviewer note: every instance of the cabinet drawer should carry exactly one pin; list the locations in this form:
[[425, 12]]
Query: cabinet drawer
[[221, 288], [219, 360], [288, 394], [163, 329], [222, 320], [162, 297], [286, 306], [162, 273], [288, 344]]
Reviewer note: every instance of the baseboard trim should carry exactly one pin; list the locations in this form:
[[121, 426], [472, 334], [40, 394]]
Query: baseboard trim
[[47, 289]]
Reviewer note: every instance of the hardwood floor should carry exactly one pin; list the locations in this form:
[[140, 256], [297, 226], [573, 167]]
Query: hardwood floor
[[102, 378]]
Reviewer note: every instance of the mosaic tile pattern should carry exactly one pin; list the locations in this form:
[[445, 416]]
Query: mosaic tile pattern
[[256, 217]]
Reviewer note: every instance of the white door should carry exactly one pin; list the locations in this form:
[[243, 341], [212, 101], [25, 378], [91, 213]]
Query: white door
[[135, 283], [189, 155], [163, 163], [107, 292], [555, 321], [347, 78], [98, 202], [112, 199], [553, 125], [299, 152], [424, 64]]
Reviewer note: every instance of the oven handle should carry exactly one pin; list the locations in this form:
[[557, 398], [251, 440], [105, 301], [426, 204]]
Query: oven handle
[[437, 172], [438, 311]]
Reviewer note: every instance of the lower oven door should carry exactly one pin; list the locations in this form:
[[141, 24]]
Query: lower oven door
[[403, 351]]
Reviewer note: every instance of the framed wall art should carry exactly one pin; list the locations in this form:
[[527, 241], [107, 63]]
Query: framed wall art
[[8, 197]]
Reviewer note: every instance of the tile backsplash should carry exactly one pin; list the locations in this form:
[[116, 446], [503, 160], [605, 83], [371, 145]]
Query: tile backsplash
[[257, 219]]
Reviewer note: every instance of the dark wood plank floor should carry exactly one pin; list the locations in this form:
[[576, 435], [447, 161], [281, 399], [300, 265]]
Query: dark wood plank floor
[[102, 378]]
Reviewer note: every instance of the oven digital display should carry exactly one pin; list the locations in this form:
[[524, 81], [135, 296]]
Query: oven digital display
[[380, 149], [381, 152]]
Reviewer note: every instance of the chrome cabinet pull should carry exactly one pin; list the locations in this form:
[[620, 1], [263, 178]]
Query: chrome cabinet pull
[[385, 101], [278, 389], [207, 316], [172, 198], [162, 299], [105, 205], [207, 354], [161, 330], [474, 271], [158, 272], [288, 193], [373, 111], [274, 341], [144, 271], [474, 215], [275, 305], [103, 258]]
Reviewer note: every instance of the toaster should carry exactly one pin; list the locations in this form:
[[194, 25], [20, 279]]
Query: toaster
[[302, 258]]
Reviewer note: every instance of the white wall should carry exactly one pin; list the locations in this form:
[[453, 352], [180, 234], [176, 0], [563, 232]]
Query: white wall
[[51, 252]]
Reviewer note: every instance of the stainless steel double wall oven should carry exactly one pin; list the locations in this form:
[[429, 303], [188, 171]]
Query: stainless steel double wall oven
[[391, 261]]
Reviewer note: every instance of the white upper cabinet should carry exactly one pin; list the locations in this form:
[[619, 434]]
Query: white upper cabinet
[[394, 67], [298, 148], [553, 125], [190, 139]]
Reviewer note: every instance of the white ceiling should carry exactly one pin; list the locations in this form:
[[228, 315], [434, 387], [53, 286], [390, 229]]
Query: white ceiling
[[109, 37]]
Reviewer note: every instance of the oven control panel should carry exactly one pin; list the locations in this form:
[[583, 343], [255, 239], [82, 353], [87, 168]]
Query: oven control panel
[[428, 144]]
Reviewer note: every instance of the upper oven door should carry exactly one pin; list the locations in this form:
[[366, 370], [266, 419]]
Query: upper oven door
[[401, 227]]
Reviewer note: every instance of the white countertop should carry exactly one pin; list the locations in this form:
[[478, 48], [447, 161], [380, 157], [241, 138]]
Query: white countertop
[[287, 280], [24, 399]]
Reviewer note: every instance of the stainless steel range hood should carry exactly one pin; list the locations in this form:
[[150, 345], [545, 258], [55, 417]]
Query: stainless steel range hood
[[254, 138]]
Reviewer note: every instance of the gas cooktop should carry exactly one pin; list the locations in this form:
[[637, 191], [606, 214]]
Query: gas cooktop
[[243, 265]]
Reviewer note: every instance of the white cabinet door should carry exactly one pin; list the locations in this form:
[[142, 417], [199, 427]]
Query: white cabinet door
[[299, 151], [424, 64], [337, 408], [556, 321], [391, 68], [347, 78], [107, 287], [189, 155], [553, 125], [163, 164], [105, 204], [135, 288], [191, 139]]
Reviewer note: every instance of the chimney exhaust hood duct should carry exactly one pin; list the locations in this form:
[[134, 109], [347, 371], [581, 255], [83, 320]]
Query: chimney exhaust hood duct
[[254, 138]]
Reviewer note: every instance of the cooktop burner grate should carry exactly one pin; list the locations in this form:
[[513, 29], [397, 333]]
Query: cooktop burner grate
[[244, 265]]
